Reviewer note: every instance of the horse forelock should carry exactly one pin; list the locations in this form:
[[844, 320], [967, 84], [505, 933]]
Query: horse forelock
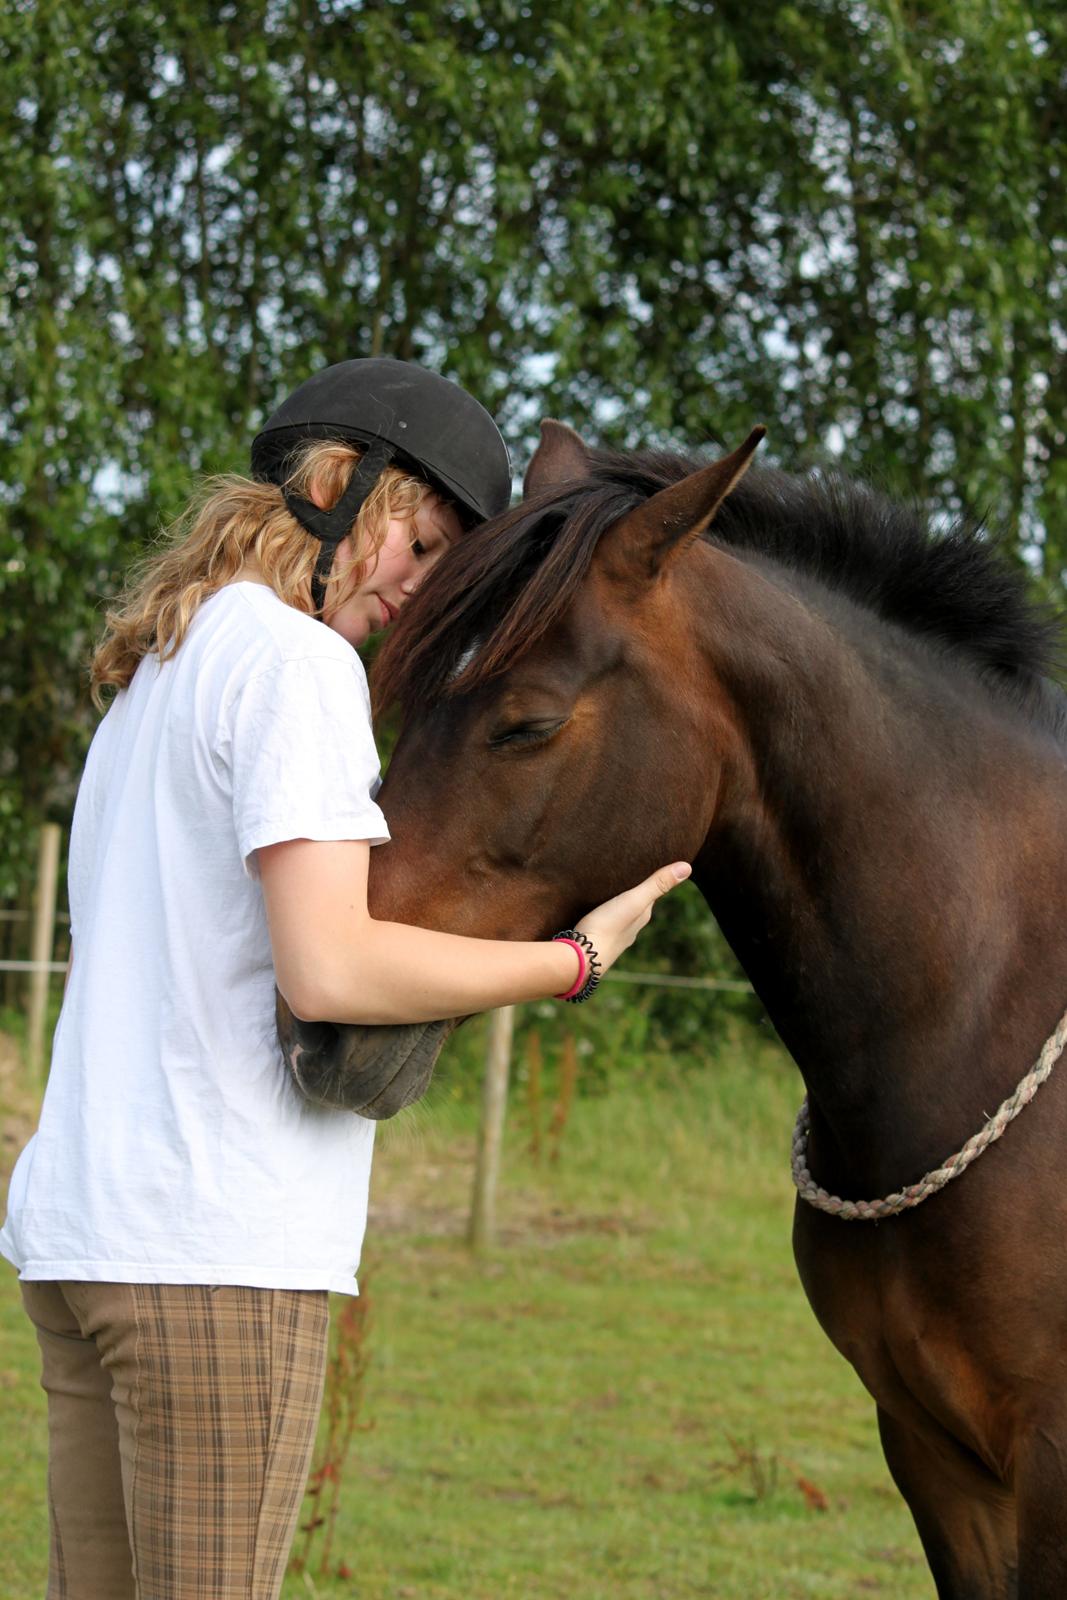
[[502, 587]]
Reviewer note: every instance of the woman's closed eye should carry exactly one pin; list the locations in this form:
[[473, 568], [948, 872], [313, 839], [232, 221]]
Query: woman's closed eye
[[435, 527], [428, 545]]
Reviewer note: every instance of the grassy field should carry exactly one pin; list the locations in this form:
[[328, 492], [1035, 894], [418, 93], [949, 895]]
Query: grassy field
[[627, 1400]]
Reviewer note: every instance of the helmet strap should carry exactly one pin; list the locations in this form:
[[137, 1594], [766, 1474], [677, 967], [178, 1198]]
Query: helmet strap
[[331, 526]]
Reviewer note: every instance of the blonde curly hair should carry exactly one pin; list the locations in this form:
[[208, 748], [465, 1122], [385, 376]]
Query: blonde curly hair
[[232, 523]]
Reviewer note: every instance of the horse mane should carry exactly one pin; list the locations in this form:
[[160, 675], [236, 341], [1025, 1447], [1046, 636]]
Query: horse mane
[[503, 585]]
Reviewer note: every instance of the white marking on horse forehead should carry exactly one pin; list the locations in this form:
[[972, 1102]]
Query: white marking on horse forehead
[[465, 660]]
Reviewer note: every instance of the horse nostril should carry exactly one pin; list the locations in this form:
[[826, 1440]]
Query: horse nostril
[[309, 1049], [313, 1037], [312, 1052]]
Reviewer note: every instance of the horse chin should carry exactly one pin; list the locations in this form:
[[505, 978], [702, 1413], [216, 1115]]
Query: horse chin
[[375, 1072]]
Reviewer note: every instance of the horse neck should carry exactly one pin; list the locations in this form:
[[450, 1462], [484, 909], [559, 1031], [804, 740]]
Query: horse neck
[[886, 862]]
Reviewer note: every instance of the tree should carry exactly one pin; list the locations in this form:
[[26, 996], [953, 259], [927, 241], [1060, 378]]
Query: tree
[[655, 218]]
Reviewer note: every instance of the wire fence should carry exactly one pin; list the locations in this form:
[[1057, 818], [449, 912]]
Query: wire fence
[[658, 980], [33, 966], [27, 916], [58, 918]]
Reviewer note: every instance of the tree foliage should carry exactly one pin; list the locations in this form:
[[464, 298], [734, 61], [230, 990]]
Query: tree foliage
[[655, 218]]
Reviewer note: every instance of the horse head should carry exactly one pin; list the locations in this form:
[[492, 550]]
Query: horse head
[[555, 748]]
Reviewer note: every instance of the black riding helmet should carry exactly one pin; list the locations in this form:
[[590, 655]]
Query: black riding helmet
[[402, 415]]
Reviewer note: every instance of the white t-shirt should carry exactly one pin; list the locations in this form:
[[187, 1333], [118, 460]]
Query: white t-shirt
[[172, 1147]]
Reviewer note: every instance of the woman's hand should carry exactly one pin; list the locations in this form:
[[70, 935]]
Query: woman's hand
[[613, 927]]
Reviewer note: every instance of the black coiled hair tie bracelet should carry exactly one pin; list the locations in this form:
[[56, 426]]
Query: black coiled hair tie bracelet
[[589, 968]]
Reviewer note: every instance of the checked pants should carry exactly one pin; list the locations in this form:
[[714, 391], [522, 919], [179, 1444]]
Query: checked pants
[[181, 1420]]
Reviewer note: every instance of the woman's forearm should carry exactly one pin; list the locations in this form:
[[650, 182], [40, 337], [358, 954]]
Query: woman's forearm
[[394, 972], [334, 962]]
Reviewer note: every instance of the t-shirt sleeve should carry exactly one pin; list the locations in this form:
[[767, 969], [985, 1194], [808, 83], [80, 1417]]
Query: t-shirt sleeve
[[302, 757]]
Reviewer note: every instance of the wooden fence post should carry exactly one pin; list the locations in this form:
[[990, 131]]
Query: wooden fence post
[[44, 934], [482, 1226]]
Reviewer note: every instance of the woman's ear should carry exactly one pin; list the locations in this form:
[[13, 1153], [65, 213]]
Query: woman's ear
[[316, 494]]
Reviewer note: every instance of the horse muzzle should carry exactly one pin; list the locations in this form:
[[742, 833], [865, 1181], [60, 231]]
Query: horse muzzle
[[375, 1072]]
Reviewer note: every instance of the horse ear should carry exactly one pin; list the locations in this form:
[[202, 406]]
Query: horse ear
[[561, 457], [659, 529]]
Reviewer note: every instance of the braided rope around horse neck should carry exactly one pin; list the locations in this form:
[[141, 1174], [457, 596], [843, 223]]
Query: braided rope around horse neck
[[916, 1193]]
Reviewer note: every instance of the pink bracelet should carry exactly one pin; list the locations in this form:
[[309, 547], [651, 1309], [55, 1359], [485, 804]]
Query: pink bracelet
[[583, 969]]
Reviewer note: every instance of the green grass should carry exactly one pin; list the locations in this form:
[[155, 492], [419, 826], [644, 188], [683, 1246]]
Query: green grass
[[627, 1398]]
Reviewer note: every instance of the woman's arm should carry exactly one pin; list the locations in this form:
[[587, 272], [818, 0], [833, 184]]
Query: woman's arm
[[335, 963]]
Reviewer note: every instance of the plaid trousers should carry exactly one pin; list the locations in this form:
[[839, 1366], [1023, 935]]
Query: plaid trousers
[[181, 1423]]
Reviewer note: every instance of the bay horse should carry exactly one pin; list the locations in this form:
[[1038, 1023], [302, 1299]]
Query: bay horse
[[845, 720]]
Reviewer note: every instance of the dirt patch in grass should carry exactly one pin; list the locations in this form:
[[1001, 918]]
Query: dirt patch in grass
[[427, 1194]]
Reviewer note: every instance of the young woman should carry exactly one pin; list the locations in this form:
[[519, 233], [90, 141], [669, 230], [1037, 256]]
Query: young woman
[[181, 1213]]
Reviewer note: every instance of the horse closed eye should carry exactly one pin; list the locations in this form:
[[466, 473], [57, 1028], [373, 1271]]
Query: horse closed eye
[[524, 735]]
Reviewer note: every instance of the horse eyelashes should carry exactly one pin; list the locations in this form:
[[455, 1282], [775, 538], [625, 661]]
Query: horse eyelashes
[[524, 735]]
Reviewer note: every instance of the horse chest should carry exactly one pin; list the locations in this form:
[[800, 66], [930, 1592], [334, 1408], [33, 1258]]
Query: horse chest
[[916, 1348]]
